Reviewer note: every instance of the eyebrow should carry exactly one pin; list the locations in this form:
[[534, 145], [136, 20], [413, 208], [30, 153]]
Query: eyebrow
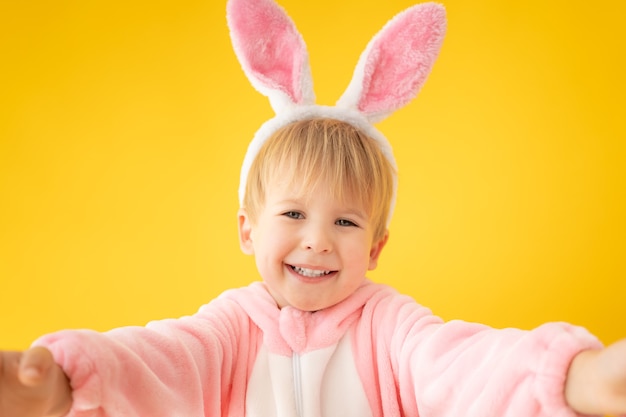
[[359, 213], [290, 201]]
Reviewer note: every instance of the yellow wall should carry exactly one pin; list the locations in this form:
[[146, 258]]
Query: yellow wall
[[123, 125]]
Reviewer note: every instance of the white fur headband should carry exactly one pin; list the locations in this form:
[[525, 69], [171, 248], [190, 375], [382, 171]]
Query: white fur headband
[[389, 74]]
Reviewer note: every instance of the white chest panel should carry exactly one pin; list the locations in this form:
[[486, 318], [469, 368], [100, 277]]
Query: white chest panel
[[322, 383]]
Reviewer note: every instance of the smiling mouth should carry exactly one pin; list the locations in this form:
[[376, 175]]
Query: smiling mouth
[[310, 273]]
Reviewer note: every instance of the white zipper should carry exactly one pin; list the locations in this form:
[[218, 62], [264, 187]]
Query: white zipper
[[297, 383]]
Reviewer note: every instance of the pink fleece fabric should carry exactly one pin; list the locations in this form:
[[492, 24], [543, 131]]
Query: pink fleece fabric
[[400, 57], [411, 363], [276, 60]]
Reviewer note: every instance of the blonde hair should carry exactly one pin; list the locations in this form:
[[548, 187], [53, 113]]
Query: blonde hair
[[327, 151]]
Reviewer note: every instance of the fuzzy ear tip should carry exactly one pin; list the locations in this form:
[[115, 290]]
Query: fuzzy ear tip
[[436, 5], [437, 11], [438, 16]]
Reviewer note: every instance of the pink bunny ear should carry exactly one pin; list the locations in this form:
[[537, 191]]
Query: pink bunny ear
[[271, 51], [396, 62]]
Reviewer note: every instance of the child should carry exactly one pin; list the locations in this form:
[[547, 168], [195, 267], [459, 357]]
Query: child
[[315, 337]]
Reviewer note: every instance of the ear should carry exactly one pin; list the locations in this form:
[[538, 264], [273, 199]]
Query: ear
[[245, 232], [396, 62], [377, 248], [271, 51]]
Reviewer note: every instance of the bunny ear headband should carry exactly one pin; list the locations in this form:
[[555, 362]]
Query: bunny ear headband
[[389, 74]]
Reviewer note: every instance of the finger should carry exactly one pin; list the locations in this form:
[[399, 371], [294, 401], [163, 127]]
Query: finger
[[35, 366]]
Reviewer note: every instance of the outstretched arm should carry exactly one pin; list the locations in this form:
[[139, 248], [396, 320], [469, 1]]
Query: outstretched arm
[[596, 381], [32, 385]]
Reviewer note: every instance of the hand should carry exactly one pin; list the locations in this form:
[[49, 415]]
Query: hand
[[32, 385], [596, 382]]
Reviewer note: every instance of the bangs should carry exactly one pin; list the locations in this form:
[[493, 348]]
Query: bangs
[[324, 153]]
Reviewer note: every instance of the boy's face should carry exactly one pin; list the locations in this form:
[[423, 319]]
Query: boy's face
[[311, 251]]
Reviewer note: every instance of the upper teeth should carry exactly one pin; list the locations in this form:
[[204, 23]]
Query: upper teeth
[[312, 273]]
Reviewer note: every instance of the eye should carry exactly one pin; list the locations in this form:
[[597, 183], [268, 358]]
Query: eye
[[345, 223], [293, 214]]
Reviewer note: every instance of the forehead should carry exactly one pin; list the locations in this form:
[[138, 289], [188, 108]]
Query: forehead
[[297, 190]]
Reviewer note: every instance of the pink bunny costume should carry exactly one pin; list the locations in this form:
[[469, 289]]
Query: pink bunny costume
[[377, 353]]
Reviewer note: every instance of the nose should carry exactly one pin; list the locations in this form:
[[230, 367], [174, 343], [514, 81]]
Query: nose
[[317, 239]]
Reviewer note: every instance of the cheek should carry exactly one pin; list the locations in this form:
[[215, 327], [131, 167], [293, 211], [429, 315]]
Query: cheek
[[273, 242], [357, 254]]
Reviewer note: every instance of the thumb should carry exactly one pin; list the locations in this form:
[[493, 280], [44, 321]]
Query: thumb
[[35, 366]]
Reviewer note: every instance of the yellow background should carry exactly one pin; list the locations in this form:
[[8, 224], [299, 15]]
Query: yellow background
[[123, 125]]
